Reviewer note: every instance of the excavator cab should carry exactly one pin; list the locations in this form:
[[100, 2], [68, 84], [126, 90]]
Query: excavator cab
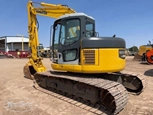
[[77, 49], [67, 35]]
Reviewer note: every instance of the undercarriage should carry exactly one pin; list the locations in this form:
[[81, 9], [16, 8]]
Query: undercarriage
[[107, 91]]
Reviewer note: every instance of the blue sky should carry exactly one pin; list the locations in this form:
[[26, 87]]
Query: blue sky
[[129, 19]]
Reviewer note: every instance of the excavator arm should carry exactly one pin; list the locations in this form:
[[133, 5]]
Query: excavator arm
[[50, 10]]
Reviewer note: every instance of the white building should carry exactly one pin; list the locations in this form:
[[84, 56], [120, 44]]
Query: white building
[[13, 43]]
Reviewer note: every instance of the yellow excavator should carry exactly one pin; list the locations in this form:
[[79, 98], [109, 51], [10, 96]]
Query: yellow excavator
[[85, 66]]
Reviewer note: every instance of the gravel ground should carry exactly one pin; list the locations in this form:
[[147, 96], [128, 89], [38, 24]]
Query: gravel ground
[[18, 97]]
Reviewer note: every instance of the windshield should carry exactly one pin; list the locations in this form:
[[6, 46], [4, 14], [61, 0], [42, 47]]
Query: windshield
[[70, 31]]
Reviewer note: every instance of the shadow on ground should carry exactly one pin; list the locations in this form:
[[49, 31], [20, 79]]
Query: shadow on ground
[[149, 73], [144, 63]]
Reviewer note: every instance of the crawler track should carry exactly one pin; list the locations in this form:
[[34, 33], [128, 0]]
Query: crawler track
[[85, 88], [135, 77], [134, 83]]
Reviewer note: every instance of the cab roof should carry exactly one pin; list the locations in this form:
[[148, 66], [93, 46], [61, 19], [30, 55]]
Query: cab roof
[[73, 15]]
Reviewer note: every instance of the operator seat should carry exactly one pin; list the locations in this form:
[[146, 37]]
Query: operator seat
[[73, 39]]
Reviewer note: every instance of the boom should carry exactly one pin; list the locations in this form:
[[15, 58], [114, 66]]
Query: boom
[[43, 9]]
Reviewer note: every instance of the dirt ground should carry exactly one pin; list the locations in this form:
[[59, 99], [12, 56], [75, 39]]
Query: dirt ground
[[18, 97]]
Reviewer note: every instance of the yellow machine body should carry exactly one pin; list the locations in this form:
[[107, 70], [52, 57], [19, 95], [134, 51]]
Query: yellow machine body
[[92, 61]]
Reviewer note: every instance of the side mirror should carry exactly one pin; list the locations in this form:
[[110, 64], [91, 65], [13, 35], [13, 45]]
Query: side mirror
[[51, 31]]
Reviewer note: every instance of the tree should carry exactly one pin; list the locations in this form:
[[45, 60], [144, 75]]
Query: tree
[[133, 49]]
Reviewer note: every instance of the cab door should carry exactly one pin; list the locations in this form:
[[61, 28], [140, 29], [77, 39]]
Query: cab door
[[69, 42]]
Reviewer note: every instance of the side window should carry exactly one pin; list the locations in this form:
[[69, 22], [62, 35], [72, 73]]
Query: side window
[[62, 34], [56, 39], [70, 32], [89, 29]]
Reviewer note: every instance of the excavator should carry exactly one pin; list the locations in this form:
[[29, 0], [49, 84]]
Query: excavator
[[85, 66], [41, 50]]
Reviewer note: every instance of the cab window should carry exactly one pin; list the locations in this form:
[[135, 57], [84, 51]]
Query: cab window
[[70, 31], [89, 29]]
